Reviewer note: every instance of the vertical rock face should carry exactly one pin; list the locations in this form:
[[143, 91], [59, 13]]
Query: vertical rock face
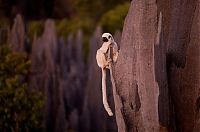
[[117, 38], [92, 110], [157, 74], [184, 72], [44, 53], [17, 35], [135, 68]]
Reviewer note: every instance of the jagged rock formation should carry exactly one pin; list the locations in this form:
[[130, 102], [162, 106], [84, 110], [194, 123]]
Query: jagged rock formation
[[17, 35], [157, 74], [57, 70]]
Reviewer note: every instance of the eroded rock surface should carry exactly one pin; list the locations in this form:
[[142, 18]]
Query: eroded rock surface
[[157, 73]]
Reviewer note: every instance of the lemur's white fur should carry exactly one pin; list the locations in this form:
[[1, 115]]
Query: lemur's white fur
[[103, 63]]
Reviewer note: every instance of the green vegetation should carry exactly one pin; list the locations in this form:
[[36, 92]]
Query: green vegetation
[[35, 28], [95, 8], [87, 14], [4, 26], [20, 108], [114, 18], [110, 14], [64, 27]]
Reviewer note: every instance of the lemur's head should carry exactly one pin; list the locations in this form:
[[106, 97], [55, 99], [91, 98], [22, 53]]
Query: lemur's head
[[107, 37]]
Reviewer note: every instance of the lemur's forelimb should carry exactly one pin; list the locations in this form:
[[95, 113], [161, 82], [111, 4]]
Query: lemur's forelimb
[[103, 63]]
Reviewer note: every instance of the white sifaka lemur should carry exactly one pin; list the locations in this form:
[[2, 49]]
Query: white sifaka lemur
[[103, 62]]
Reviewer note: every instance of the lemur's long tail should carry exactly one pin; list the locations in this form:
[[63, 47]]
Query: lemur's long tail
[[105, 101]]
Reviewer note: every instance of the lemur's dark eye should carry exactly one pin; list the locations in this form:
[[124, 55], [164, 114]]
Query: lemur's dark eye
[[109, 37]]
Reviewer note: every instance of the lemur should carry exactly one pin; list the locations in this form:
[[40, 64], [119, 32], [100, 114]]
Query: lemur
[[103, 62]]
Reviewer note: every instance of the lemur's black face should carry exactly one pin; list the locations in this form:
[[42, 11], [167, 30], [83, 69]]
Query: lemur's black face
[[105, 39]]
